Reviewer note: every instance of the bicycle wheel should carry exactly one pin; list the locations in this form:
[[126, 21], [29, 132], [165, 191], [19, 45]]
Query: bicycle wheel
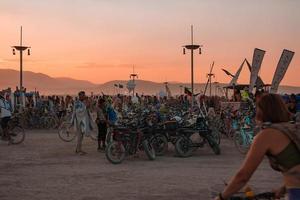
[[215, 130], [213, 144], [17, 135], [109, 137], [52, 122], [216, 135], [149, 150], [94, 136], [94, 132], [240, 143], [115, 152], [66, 132], [160, 144], [183, 147]]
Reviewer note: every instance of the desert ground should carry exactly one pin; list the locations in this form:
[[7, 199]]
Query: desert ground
[[45, 167]]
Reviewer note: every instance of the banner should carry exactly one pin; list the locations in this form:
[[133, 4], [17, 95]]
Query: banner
[[259, 82], [187, 91], [282, 66], [258, 57], [237, 74]]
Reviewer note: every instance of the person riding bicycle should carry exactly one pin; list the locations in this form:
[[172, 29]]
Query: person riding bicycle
[[282, 151], [5, 116]]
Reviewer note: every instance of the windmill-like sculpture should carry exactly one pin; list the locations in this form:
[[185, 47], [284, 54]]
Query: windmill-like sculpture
[[209, 76]]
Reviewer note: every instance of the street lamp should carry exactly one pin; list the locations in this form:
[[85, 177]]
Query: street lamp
[[192, 47], [21, 48], [133, 76]]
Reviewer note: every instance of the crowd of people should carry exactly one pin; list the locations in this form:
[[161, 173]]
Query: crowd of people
[[280, 145]]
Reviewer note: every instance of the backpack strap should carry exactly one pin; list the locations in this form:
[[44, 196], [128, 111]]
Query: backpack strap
[[290, 129]]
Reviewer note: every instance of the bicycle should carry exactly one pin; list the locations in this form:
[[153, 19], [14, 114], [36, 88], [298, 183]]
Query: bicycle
[[244, 137], [128, 141], [67, 132], [185, 145], [16, 133]]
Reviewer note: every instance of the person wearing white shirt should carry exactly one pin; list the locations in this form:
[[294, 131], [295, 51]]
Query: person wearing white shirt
[[81, 120], [5, 116]]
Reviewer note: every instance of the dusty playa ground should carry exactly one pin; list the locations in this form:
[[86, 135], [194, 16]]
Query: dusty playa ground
[[44, 167]]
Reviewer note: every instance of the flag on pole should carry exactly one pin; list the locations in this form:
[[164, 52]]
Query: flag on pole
[[237, 74], [228, 73], [187, 91], [116, 85], [258, 57], [121, 86], [282, 66]]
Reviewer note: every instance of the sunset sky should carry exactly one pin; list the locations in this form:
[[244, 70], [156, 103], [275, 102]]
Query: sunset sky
[[100, 40]]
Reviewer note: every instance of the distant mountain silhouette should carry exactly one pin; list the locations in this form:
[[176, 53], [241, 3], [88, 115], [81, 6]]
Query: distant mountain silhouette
[[49, 85]]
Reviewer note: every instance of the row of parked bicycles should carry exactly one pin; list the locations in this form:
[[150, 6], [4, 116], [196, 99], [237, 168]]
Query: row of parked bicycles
[[146, 129], [42, 118], [142, 131], [238, 125]]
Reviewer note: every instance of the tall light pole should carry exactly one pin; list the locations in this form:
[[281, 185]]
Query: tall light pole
[[133, 76], [21, 48], [210, 76], [192, 47]]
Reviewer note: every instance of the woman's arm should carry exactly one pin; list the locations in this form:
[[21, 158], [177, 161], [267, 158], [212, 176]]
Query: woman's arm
[[254, 157]]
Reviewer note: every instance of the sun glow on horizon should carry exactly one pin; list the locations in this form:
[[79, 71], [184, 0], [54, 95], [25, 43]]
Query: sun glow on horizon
[[101, 40]]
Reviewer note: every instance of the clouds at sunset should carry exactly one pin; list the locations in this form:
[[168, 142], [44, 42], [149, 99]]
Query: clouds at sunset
[[101, 40]]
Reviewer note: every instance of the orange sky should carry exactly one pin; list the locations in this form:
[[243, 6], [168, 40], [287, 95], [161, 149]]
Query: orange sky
[[101, 40]]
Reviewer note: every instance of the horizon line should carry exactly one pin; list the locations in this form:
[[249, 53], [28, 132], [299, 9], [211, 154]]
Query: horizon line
[[101, 83]]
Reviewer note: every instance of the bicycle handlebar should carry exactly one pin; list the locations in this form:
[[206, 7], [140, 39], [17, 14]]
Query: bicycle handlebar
[[264, 195]]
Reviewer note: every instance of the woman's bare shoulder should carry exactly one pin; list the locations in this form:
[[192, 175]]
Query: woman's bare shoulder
[[270, 133]]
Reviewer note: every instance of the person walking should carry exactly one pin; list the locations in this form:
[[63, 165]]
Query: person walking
[[81, 120], [102, 124]]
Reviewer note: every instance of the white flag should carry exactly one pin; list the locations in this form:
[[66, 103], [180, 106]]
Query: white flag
[[258, 57], [237, 74], [282, 66]]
